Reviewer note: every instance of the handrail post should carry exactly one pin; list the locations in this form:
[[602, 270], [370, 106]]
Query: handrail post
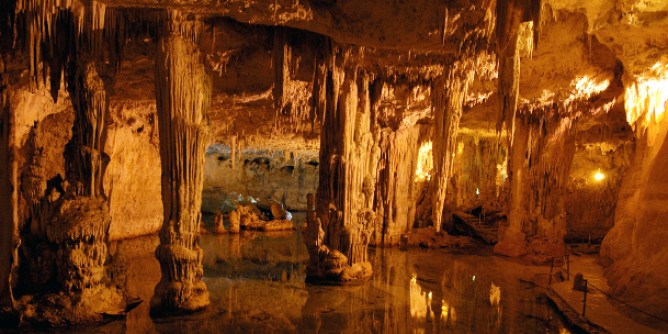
[[568, 267], [584, 301]]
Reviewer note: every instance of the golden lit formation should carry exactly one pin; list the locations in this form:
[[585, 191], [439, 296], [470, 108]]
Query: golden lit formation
[[424, 163], [645, 99]]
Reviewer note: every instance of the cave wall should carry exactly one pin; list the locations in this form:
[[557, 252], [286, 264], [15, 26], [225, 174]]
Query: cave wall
[[132, 177], [590, 203], [479, 171], [397, 188], [636, 246], [281, 175]]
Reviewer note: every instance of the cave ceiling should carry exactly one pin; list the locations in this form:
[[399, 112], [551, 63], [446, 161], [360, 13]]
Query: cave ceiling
[[576, 57]]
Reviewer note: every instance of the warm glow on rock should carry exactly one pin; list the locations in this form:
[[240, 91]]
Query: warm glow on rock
[[586, 87], [494, 295], [424, 163], [598, 176], [645, 100]]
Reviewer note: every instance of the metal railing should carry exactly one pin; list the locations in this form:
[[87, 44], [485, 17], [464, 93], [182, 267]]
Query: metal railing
[[584, 301], [567, 262]]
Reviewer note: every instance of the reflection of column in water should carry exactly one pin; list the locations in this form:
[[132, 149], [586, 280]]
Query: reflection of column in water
[[495, 302], [395, 289], [235, 246], [229, 301], [418, 303], [474, 323]]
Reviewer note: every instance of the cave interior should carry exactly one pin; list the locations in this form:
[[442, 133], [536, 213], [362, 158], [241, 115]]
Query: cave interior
[[530, 130]]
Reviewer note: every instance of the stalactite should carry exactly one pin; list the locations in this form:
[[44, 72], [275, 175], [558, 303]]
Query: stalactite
[[281, 64], [319, 97], [56, 32], [183, 92], [448, 95], [510, 14], [90, 103]]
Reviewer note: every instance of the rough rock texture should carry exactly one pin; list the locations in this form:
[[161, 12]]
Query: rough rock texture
[[133, 173]]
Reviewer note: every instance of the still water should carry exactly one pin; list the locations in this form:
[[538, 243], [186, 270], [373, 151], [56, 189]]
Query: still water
[[256, 282]]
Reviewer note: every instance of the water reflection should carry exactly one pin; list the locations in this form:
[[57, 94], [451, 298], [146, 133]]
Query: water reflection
[[256, 283]]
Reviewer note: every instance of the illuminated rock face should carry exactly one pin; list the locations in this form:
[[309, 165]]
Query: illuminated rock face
[[635, 243]]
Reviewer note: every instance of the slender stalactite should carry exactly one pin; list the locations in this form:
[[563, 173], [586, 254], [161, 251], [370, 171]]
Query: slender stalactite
[[183, 92], [280, 63], [448, 94]]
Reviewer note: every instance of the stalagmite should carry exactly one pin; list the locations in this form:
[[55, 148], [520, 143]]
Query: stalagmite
[[512, 240], [183, 92]]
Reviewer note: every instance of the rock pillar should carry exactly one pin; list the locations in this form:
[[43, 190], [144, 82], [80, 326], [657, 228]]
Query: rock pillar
[[339, 232], [183, 92]]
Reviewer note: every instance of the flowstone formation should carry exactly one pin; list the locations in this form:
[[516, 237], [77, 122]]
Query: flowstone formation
[[183, 92], [70, 220]]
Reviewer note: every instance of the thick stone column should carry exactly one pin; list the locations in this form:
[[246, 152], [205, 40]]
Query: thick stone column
[[183, 92], [512, 240], [339, 229]]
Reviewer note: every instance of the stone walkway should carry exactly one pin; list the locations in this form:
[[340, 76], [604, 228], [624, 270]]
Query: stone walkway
[[602, 314]]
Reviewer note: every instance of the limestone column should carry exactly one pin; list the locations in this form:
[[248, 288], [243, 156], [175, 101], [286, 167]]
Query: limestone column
[[512, 240], [183, 92], [339, 233]]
